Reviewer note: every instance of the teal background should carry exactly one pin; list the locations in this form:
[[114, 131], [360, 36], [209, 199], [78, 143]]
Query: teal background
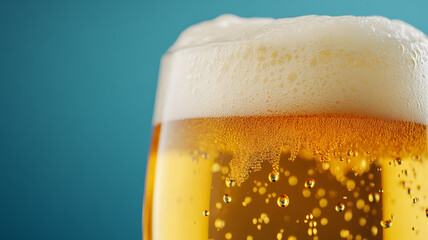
[[77, 87]]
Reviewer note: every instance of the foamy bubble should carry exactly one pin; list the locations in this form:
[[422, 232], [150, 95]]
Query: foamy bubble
[[231, 66]]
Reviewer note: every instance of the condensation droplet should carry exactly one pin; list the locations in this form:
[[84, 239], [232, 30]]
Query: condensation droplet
[[229, 182], [415, 200], [312, 231], [309, 216], [339, 207], [309, 183], [206, 213], [386, 223], [227, 198], [374, 197], [273, 176], [283, 200], [228, 235]]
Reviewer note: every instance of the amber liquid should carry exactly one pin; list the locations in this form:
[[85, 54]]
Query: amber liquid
[[370, 179]]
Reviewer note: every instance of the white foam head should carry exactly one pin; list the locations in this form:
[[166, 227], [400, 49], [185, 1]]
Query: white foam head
[[231, 66]]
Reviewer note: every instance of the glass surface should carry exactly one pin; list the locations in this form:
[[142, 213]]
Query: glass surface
[[282, 175]]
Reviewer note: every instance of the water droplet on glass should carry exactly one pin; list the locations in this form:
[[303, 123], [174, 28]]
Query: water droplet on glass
[[273, 176], [283, 200], [206, 213], [340, 207], [309, 183], [374, 197], [386, 223], [227, 198], [312, 231], [229, 182]]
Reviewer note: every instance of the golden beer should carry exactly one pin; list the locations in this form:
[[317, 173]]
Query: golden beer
[[245, 168]]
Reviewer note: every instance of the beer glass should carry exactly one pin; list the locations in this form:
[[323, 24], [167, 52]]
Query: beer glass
[[305, 128]]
